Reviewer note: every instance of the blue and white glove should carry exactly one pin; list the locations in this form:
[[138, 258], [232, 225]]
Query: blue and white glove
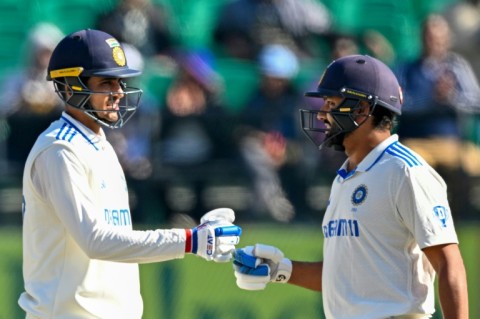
[[256, 266], [216, 236]]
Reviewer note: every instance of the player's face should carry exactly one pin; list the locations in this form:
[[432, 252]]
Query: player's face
[[108, 92], [337, 118], [330, 103]]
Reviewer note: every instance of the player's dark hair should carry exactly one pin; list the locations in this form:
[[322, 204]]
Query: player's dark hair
[[383, 118]]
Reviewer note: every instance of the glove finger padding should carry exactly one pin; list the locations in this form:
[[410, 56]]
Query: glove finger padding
[[226, 245], [216, 237], [222, 258], [252, 278], [226, 215], [260, 270], [251, 261], [212, 247], [227, 240], [268, 252], [245, 257]]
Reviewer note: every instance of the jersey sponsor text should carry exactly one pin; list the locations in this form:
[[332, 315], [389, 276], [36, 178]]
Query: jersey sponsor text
[[341, 228], [117, 217]]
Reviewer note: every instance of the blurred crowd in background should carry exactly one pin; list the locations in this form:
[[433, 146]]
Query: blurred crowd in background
[[223, 84]]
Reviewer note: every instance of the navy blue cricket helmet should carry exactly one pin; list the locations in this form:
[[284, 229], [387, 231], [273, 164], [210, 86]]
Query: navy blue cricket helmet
[[355, 78], [92, 53]]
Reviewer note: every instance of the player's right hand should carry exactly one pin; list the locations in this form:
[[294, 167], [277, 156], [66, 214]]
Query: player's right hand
[[256, 266], [215, 238]]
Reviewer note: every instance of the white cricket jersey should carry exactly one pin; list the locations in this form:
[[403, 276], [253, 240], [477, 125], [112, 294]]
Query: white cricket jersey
[[80, 253], [378, 219]]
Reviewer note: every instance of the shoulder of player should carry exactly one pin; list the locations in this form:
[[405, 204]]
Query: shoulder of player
[[62, 137], [404, 157], [400, 163], [64, 132]]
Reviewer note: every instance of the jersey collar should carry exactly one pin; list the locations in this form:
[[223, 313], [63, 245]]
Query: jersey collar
[[370, 160], [88, 134]]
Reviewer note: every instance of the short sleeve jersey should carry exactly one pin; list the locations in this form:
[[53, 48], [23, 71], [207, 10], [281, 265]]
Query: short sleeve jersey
[[378, 219]]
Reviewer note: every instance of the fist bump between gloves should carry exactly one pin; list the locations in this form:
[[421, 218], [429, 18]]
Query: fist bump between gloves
[[216, 236], [256, 266]]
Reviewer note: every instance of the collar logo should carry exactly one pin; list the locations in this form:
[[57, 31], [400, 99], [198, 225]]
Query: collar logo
[[359, 195], [119, 56]]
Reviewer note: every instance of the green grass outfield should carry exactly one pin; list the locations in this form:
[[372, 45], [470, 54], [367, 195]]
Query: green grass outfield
[[196, 289]]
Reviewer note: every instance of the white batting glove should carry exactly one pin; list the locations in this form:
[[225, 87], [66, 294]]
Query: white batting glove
[[256, 266], [216, 236]]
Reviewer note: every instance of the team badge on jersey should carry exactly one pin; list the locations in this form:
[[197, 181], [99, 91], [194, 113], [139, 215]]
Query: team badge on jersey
[[359, 195], [441, 213]]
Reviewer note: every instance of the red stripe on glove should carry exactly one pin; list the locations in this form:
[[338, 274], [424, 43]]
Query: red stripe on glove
[[188, 241]]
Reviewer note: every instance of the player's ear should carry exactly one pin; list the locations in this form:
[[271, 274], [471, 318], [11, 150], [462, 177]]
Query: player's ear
[[366, 108], [363, 110]]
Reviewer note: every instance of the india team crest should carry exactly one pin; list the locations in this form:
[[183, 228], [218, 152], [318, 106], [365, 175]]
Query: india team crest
[[441, 213], [359, 195], [119, 56]]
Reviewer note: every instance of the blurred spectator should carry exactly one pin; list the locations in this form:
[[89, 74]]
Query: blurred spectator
[[464, 20], [195, 139], [245, 26], [271, 136], [440, 90], [379, 46], [141, 23], [342, 45], [369, 42], [28, 101]]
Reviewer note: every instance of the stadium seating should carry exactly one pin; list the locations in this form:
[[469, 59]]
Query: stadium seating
[[396, 20], [15, 20], [156, 78], [73, 15], [193, 20]]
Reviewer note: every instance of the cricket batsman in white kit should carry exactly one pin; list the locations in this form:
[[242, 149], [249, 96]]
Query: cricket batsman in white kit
[[388, 230], [80, 253]]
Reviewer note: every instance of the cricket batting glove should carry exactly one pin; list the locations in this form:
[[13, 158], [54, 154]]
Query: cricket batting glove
[[216, 236], [256, 266]]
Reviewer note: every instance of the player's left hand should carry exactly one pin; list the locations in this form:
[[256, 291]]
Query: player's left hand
[[216, 236], [256, 266]]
